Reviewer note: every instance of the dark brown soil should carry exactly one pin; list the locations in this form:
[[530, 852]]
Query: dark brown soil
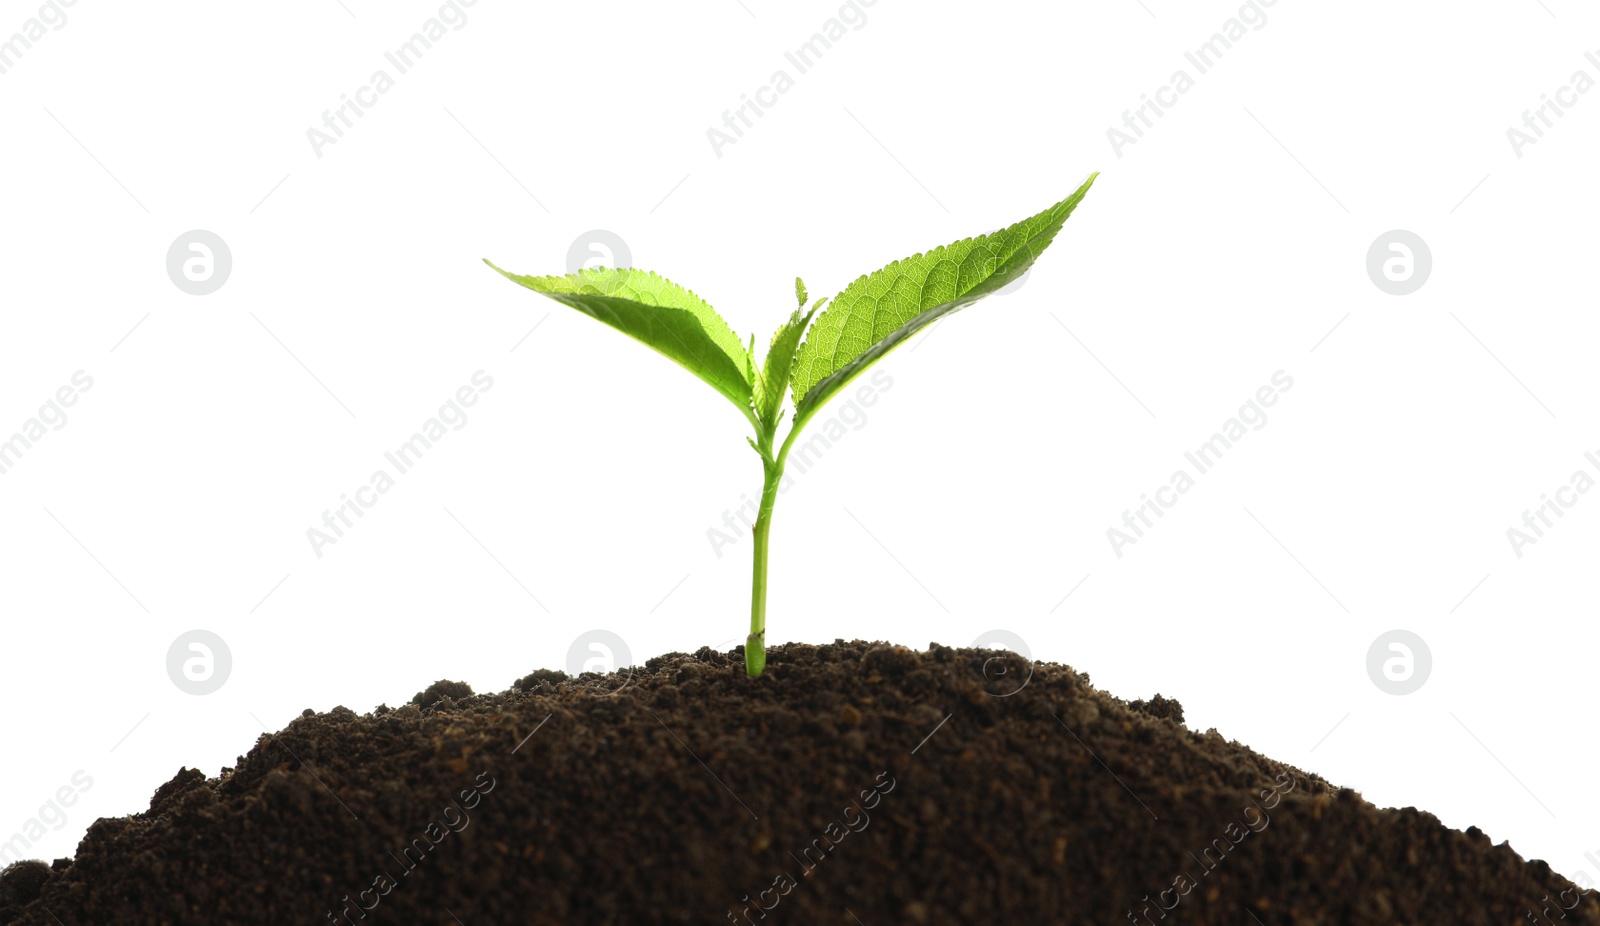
[[855, 784]]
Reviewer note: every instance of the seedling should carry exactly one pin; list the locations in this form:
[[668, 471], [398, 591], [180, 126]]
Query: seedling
[[869, 318]]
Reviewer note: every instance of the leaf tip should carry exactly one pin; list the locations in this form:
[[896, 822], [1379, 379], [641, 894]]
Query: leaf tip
[[505, 273]]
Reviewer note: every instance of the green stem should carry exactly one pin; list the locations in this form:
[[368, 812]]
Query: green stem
[[755, 646]]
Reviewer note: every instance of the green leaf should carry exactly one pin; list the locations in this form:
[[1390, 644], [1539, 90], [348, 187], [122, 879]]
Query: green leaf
[[660, 313], [800, 291], [881, 310], [775, 370]]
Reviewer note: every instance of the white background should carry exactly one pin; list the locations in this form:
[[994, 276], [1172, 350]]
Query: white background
[[1223, 246]]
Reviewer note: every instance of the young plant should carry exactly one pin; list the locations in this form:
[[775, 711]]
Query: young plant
[[869, 318]]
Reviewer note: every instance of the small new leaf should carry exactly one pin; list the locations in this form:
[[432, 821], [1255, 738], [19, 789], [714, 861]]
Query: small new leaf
[[881, 310], [661, 314], [776, 369], [800, 291]]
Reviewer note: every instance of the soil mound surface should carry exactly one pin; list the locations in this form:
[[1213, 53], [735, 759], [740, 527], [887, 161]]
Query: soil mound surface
[[857, 783]]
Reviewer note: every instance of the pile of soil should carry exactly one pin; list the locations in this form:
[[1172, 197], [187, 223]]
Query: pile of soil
[[855, 783]]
